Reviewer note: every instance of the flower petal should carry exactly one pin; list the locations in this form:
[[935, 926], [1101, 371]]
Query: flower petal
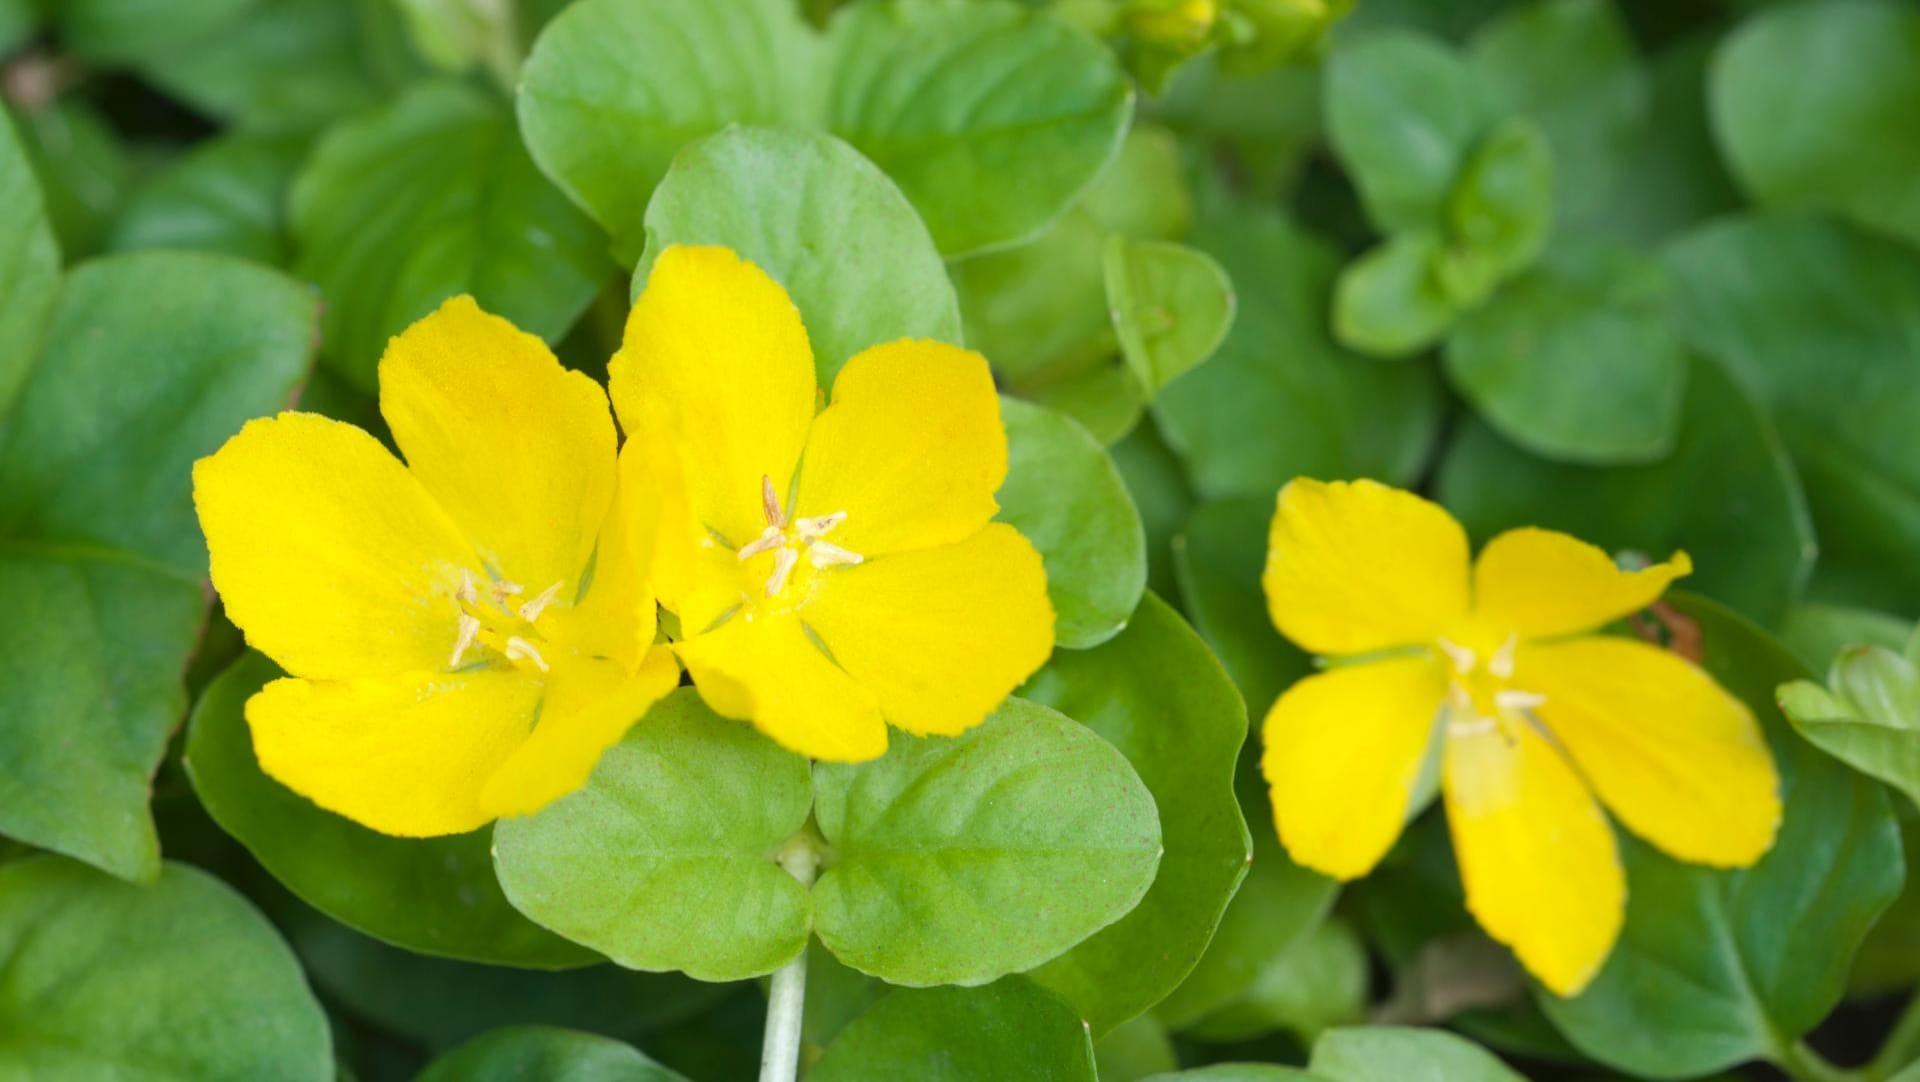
[[616, 618], [715, 357], [912, 449], [767, 670], [939, 636], [1359, 566], [1676, 757], [405, 755], [518, 450], [327, 552], [1538, 859], [1344, 750], [1539, 583], [576, 727]]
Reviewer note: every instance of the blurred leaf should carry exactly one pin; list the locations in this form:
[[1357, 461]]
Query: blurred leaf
[[227, 195], [959, 860], [427, 197], [1157, 694], [1822, 324], [1888, 960], [1395, 300], [180, 979], [530, 1053], [1817, 633], [1751, 542], [1238, 1072], [693, 805], [1814, 107], [29, 265], [1279, 399], [84, 170], [151, 360], [1318, 981], [1133, 1050], [1158, 485], [19, 20], [1066, 496], [1738, 964], [1867, 715], [456, 34], [1171, 306], [433, 895], [1570, 66], [1500, 210], [1395, 1054], [1219, 556], [1676, 179], [1011, 1029], [1577, 360], [836, 995], [1107, 400], [111, 30], [810, 211]]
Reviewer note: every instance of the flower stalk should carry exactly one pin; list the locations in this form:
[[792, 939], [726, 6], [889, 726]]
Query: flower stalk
[[787, 1000]]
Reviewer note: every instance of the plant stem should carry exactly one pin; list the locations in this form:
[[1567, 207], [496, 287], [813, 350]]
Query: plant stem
[[1902, 1045], [786, 1004], [1803, 1064]]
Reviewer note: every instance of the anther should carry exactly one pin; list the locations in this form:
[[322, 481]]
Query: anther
[[1515, 699], [1468, 726], [770, 503], [503, 589], [518, 648], [783, 562], [1463, 656], [812, 529], [531, 610], [465, 593], [1501, 664], [823, 554], [770, 538], [469, 627]]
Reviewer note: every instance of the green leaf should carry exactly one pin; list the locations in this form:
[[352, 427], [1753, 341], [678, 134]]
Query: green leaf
[[1739, 964], [614, 89], [1280, 399], [1134, 1050], [1157, 694], [29, 265], [1171, 306], [1677, 179], [225, 195], [1237, 1072], [1570, 66], [458, 34], [1065, 494], [1577, 360], [665, 859], [1158, 484], [1219, 556], [959, 860], [524, 1053], [180, 979], [113, 30], [1501, 207], [1396, 299], [824, 222], [1399, 1054], [1867, 715], [1318, 981], [1009, 1029], [84, 168], [100, 554], [427, 197], [1403, 111], [1107, 400], [1752, 545], [434, 895], [1821, 322], [1817, 633], [1855, 66]]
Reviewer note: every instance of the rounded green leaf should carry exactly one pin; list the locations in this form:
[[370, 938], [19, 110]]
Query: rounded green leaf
[[1855, 66], [1751, 544], [1395, 300], [180, 979], [1065, 495], [1737, 964], [1501, 206], [1156, 693], [1816, 633], [665, 859], [433, 895], [1395, 1054], [1867, 715], [226, 195], [1171, 306], [1280, 399], [1577, 360], [528, 1053], [824, 222], [959, 860], [29, 264], [1219, 555], [1133, 1050], [427, 197], [1009, 1031]]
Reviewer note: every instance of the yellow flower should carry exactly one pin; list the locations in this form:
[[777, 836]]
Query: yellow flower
[[835, 573], [1535, 717], [1175, 23], [466, 632]]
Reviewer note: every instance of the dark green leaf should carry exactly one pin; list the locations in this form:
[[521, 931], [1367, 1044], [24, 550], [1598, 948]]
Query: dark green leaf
[[1134, 1050], [84, 169], [1158, 485], [1009, 1031], [29, 265], [1318, 981], [1219, 557], [110, 30], [226, 195]]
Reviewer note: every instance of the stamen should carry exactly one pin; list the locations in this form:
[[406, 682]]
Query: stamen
[[783, 562], [812, 529], [531, 610], [770, 503], [1517, 700], [503, 589], [469, 627], [1502, 663], [1463, 656], [824, 554], [770, 538], [465, 593], [1470, 725], [518, 648]]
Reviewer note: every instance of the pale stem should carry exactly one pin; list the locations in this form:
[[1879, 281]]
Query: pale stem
[[786, 1004]]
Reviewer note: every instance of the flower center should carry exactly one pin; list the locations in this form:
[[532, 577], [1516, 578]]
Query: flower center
[[1480, 696], [791, 540], [501, 619]]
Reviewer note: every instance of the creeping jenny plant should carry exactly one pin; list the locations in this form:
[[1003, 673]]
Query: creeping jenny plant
[[1536, 717], [832, 573], [467, 632]]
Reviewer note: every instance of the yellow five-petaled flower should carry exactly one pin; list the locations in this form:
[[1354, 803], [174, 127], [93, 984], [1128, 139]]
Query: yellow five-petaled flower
[[835, 573], [467, 632], [1533, 715]]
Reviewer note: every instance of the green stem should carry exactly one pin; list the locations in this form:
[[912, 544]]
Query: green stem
[[1805, 1065], [1902, 1046], [786, 1003]]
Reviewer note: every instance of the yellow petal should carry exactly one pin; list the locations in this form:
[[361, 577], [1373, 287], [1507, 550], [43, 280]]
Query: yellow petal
[[1679, 760], [715, 358], [912, 449], [405, 755], [1538, 583], [768, 671], [615, 619], [1537, 858], [1343, 753], [574, 729], [939, 636], [1359, 566], [518, 450], [327, 552]]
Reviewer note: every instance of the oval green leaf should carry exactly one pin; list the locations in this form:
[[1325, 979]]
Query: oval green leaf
[[1396, 1054], [1012, 1029], [1392, 301], [525, 1053], [1171, 306], [226, 195]]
